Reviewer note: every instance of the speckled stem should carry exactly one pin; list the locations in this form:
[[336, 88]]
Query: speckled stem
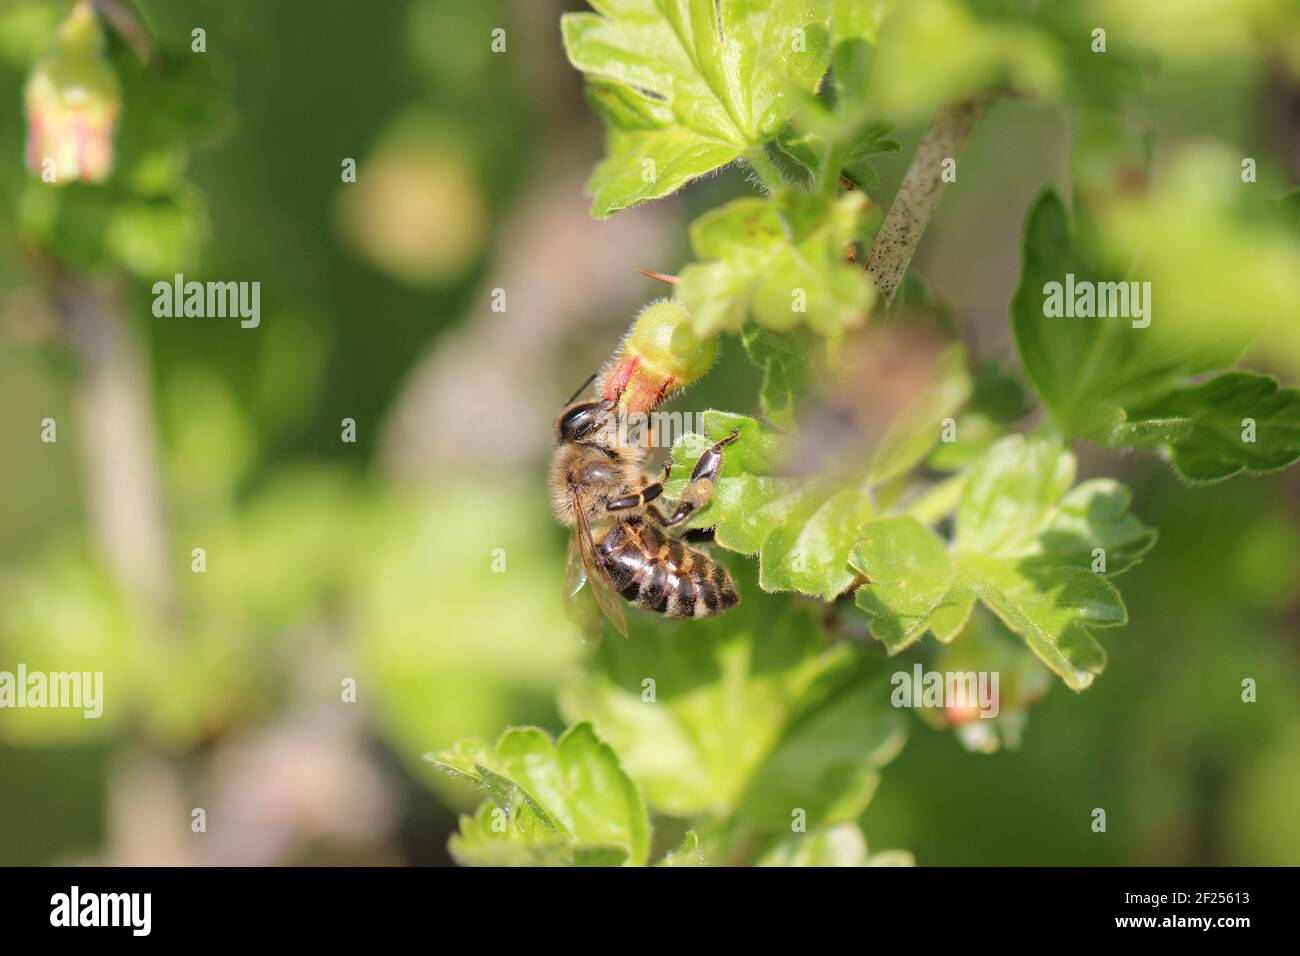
[[919, 194]]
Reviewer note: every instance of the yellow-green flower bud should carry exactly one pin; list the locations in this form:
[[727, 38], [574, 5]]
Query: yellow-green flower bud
[[660, 355], [73, 101]]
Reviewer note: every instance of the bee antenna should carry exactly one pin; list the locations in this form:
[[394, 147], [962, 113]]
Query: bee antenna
[[581, 388]]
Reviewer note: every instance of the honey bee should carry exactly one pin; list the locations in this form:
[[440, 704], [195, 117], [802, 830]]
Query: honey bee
[[622, 543]]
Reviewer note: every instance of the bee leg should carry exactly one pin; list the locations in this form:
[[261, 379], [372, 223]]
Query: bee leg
[[698, 535], [647, 494], [699, 489]]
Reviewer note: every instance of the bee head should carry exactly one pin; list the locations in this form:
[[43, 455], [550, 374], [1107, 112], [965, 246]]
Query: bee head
[[582, 421]]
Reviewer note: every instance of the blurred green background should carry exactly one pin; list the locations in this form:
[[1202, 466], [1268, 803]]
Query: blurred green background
[[373, 560]]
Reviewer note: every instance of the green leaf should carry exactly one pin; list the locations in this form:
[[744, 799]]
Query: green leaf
[[783, 357], [690, 84], [564, 803], [753, 717], [1119, 385], [849, 142], [802, 531], [1025, 545], [1084, 368], [933, 51], [780, 262], [914, 577], [1235, 422], [825, 763], [486, 838], [688, 853], [650, 165], [808, 548]]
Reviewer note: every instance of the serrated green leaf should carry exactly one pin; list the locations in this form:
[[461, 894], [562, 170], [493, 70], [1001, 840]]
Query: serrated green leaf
[[1238, 421], [919, 576], [814, 530], [1025, 545], [487, 838], [698, 84], [561, 803], [778, 261], [648, 165]]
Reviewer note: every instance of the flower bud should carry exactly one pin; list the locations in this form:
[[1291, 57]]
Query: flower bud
[[661, 354], [73, 101]]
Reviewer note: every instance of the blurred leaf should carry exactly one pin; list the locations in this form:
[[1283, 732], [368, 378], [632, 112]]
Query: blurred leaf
[[1085, 368], [918, 427], [986, 646], [566, 803], [1120, 385], [690, 86], [1188, 32], [826, 760], [780, 262], [997, 399], [448, 646], [933, 51], [1221, 255], [64, 614], [752, 718], [841, 845], [784, 359]]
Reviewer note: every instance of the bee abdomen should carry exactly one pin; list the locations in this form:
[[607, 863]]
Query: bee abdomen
[[708, 593], [661, 574]]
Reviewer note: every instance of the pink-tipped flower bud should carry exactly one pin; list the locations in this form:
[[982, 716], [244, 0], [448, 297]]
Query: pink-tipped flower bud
[[660, 355], [73, 101]]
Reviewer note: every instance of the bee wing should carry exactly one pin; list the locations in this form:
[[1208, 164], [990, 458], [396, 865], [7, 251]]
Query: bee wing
[[601, 587], [579, 605]]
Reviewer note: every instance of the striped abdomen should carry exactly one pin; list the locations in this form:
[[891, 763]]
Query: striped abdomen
[[659, 573]]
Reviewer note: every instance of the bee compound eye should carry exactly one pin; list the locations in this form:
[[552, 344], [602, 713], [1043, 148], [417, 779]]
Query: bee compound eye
[[578, 421]]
